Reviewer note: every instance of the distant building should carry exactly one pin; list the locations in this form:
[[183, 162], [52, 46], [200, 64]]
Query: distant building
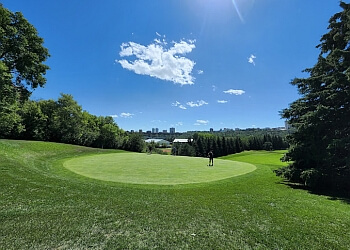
[[158, 141], [181, 140], [165, 131], [140, 131], [172, 130], [287, 125], [211, 130], [155, 130]]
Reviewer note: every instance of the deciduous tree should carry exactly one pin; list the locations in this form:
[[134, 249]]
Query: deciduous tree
[[22, 51]]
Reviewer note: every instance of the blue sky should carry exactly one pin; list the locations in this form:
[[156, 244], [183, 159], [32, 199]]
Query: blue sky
[[188, 64]]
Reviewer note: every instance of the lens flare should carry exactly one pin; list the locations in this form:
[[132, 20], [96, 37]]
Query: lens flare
[[237, 10]]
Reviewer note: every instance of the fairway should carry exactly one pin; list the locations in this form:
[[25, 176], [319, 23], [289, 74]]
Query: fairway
[[156, 169]]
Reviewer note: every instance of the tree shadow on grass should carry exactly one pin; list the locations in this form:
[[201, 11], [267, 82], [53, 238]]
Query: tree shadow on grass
[[333, 195]]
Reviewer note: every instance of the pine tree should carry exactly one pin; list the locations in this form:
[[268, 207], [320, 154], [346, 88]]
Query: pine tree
[[320, 144]]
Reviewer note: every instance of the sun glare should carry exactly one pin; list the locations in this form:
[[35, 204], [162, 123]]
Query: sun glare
[[237, 10]]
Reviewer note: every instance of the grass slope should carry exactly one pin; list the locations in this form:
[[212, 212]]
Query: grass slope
[[43, 205], [157, 169]]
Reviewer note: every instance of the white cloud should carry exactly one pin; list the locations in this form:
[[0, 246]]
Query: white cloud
[[175, 104], [234, 92], [214, 87], [198, 104], [178, 104], [222, 101], [201, 122], [158, 34], [114, 116], [157, 40], [251, 59], [190, 104], [159, 62], [179, 124], [158, 121], [126, 115], [200, 72]]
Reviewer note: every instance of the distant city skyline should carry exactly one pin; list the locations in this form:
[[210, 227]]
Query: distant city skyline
[[173, 130]]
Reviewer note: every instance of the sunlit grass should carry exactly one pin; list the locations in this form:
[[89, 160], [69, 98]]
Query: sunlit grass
[[46, 206], [139, 168]]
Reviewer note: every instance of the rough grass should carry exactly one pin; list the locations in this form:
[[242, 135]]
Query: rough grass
[[157, 169], [43, 206]]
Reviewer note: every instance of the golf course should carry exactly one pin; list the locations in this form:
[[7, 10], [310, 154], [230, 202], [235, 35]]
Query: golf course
[[59, 196]]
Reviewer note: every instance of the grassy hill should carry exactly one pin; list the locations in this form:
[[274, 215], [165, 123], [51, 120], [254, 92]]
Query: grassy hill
[[44, 205]]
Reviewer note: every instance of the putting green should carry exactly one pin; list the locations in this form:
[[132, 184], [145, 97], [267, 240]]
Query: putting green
[[157, 169]]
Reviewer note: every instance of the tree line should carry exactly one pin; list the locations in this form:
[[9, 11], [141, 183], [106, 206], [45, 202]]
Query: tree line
[[201, 143], [65, 121]]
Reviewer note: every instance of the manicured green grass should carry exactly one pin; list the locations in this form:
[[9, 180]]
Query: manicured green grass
[[43, 205], [139, 168]]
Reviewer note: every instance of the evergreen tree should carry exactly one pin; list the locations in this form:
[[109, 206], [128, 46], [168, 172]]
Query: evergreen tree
[[320, 143]]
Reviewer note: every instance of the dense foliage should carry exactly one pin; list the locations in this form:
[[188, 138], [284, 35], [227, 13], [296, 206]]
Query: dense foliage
[[65, 121], [21, 68], [201, 143], [320, 145], [21, 52]]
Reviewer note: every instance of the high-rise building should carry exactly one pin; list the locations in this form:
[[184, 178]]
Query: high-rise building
[[172, 130], [287, 126], [155, 130]]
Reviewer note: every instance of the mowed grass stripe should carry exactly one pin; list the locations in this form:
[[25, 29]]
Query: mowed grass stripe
[[156, 169]]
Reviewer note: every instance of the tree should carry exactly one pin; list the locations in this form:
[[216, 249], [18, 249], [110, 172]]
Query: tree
[[34, 121], [22, 52], [268, 146], [68, 119], [134, 142], [320, 143], [10, 121], [49, 109], [90, 129]]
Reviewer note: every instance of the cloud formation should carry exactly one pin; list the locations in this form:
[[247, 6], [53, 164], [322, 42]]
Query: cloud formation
[[251, 59], [157, 61], [234, 92], [201, 122], [196, 104], [222, 101], [126, 115], [189, 104], [178, 104], [114, 116]]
